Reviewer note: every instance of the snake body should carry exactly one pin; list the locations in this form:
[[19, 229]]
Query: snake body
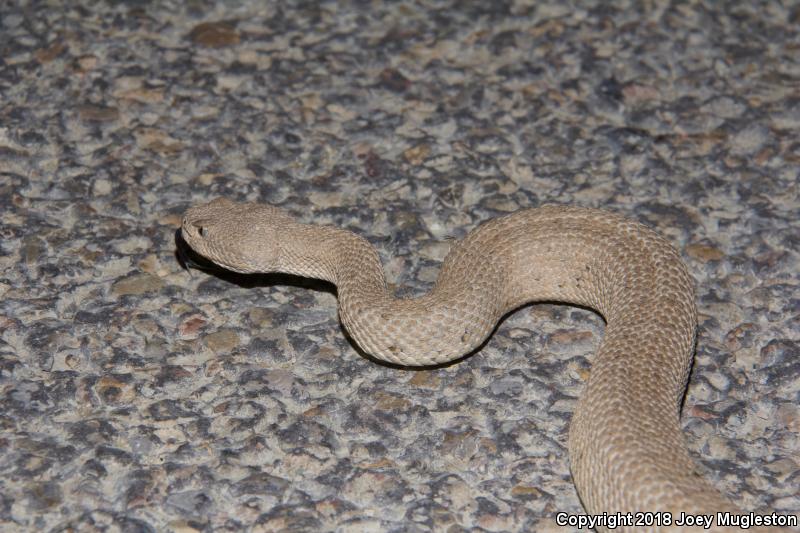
[[627, 451]]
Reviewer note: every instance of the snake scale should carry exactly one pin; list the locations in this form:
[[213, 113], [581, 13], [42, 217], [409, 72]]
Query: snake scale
[[626, 448]]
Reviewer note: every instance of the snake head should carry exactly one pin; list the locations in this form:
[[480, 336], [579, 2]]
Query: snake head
[[243, 237]]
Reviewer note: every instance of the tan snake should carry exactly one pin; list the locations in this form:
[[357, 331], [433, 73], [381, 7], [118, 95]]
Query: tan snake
[[626, 448]]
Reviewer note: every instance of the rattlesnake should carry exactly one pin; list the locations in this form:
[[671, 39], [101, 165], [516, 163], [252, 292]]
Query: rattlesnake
[[627, 452]]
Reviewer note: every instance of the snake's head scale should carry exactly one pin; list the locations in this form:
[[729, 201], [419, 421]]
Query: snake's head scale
[[243, 237]]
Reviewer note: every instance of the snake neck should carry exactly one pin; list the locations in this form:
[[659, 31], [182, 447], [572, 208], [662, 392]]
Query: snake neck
[[335, 255]]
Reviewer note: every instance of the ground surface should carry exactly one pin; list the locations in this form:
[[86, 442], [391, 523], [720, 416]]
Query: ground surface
[[137, 397]]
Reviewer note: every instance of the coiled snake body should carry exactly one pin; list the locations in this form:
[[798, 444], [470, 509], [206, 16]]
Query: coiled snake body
[[626, 448]]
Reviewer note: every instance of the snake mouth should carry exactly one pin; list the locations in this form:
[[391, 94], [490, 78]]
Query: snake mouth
[[188, 257]]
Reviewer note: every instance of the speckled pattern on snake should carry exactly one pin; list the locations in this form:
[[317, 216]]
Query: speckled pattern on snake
[[626, 449]]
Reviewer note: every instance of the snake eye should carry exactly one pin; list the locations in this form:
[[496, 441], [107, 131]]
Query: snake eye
[[201, 227]]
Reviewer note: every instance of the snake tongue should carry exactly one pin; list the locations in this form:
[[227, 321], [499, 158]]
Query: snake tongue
[[201, 264]]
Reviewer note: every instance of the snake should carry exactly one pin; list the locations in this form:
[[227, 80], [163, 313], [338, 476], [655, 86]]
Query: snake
[[627, 453]]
